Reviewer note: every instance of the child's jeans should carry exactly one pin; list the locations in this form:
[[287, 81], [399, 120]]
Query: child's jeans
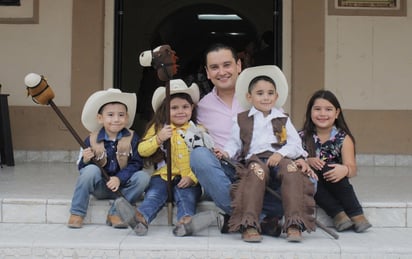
[[156, 196], [90, 181]]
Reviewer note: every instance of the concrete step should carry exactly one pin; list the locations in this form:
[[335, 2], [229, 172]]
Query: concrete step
[[98, 241], [35, 200], [56, 211], [41, 193]]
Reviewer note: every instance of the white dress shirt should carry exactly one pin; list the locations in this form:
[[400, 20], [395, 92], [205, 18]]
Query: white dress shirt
[[263, 137]]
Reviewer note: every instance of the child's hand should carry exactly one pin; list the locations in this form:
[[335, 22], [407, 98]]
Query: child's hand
[[113, 183], [185, 182], [316, 163], [305, 168], [220, 153], [165, 133], [88, 154], [274, 159], [336, 173]]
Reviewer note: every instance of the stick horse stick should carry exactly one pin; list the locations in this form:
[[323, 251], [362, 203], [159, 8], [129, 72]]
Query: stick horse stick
[[41, 93], [277, 195], [163, 59]]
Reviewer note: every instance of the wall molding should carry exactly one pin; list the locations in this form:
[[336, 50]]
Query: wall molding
[[18, 14]]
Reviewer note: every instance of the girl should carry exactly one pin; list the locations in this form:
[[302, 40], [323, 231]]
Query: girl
[[331, 147], [185, 188]]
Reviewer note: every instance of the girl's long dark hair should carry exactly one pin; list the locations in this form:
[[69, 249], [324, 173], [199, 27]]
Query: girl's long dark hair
[[159, 120], [309, 128]]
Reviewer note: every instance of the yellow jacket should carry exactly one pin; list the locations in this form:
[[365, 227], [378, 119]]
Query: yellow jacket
[[180, 153]]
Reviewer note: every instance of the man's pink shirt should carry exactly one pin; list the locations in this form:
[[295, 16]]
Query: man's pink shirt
[[217, 117]]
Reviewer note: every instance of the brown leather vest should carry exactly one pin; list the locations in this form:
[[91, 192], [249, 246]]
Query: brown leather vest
[[124, 148], [246, 131]]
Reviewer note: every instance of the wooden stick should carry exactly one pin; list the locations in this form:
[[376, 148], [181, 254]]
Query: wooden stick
[[169, 160], [81, 143]]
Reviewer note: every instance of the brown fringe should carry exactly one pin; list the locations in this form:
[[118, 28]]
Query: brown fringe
[[299, 191], [247, 197]]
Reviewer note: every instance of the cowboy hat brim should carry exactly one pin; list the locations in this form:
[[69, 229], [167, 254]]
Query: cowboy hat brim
[[100, 98], [176, 86], [247, 75]]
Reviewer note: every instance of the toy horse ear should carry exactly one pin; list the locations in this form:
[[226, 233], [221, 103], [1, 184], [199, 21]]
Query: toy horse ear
[[38, 88], [145, 58]]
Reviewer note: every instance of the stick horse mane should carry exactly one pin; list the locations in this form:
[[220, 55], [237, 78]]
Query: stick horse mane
[[164, 59], [42, 93]]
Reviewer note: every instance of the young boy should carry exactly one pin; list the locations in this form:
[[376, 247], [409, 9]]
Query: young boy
[[107, 115], [270, 151]]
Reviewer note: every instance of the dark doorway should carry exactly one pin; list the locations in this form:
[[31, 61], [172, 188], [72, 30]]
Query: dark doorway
[[188, 35]]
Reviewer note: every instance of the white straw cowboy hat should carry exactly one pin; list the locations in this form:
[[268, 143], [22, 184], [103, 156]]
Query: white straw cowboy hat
[[100, 98], [176, 86], [248, 74]]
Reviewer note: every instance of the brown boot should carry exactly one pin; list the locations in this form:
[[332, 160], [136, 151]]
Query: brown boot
[[75, 221], [251, 235], [115, 221], [294, 234], [342, 222], [361, 223]]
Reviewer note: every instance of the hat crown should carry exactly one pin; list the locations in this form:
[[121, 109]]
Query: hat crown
[[113, 90], [178, 84], [175, 86]]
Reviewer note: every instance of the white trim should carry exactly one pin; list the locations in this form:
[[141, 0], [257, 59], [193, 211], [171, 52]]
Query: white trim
[[108, 44]]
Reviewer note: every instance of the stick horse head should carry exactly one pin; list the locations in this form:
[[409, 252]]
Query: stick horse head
[[163, 59], [38, 89]]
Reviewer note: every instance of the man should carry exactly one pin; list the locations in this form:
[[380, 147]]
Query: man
[[216, 111]]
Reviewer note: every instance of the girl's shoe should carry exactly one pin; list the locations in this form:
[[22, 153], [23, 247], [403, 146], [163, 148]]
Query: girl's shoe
[[342, 221], [182, 227], [141, 227], [197, 223], [361, 223], [131, 216]]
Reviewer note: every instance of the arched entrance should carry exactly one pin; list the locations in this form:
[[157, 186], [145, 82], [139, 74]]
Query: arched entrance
[[143, 25]]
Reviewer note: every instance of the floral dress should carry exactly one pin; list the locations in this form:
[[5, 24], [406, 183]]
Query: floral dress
[[330, 151], [340, 196]]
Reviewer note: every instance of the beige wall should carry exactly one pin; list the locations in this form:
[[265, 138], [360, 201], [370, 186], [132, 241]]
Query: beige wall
[[379, 126], [38, 127], [43, 48], [366, 61]]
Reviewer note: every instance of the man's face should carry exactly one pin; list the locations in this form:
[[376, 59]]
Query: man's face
[[222, 69]]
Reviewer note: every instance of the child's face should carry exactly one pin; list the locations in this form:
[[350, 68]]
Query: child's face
[[324, 114], [114, 118], [263, 96], [180, 111]]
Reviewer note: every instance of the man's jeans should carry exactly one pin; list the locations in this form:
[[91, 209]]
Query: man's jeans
[[216, 177], [156, 196], [90, 181]]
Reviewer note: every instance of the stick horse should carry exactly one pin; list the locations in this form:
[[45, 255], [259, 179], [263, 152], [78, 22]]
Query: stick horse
[[42, 93], [164, 59]]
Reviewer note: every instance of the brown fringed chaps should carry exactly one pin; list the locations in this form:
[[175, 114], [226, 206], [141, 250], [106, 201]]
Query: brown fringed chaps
[[247, 194], [297, 193]]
